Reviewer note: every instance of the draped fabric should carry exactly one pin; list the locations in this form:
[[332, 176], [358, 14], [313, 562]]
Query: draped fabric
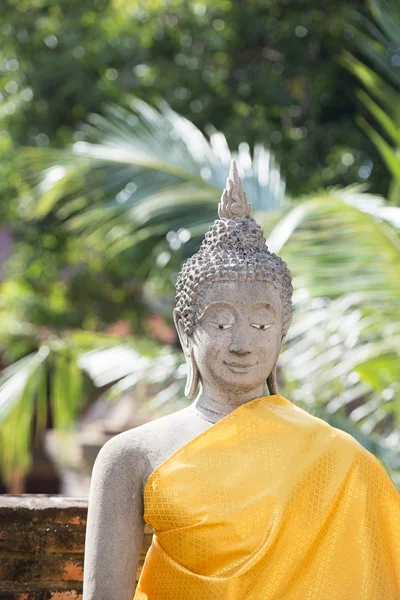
[[271, 503]]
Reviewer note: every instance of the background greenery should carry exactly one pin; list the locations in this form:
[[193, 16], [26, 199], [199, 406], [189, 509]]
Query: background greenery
[[258, 71], [105, 195]]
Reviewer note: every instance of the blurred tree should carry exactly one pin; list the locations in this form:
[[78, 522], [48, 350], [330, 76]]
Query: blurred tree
[[377, 42], [263, 72]]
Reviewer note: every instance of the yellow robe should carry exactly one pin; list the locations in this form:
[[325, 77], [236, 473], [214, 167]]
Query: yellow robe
[[271, 503]]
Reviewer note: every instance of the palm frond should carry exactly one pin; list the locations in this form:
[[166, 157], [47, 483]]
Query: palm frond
[[139, 174], [20, 387], [376, 37], [326, 240], [378, 41], [54, 382], [157, 382]]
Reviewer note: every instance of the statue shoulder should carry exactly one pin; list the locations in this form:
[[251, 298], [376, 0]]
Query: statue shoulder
[[137, 448], [120, 456]]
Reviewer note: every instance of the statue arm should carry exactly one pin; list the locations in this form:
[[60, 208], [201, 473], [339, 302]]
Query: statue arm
[[115, 522]]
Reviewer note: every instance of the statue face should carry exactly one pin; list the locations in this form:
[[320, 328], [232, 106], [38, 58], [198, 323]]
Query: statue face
[[238, 335]]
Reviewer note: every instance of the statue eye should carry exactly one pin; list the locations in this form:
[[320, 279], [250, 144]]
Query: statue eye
[[221, 325], [262, 326]]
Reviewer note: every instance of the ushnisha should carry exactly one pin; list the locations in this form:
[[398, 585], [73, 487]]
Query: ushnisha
[[233, 249]]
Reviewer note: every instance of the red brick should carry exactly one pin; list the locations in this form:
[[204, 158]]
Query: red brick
[[65, 595], [60, 568], [14, 539], [41, 547], [16, 596], [18, 569], [65, 538], [72, 572], [53, 594]]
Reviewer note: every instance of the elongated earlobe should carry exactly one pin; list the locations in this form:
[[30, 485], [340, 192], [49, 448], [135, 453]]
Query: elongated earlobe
[[272, 379], [272, 383], [192, 380]]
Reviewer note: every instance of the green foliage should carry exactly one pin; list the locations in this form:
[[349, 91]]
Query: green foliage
[[51, 386], [24, 401], [379, 73], [143, 175], [260, 72]]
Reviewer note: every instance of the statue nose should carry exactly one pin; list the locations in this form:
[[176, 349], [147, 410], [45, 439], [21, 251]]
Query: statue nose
[[240, 344]]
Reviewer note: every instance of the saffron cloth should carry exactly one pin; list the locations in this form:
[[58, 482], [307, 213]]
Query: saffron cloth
[[271, 503]]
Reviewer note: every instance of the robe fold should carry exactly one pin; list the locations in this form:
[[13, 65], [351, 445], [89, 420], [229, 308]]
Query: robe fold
[[271, 503]]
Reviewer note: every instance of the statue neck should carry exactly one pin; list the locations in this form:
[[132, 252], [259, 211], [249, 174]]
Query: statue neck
[[213, 406]]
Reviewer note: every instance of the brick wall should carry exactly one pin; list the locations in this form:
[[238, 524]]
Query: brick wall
[[41, 547]]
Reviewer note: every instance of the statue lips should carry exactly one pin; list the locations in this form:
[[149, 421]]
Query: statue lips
[[238, 367]]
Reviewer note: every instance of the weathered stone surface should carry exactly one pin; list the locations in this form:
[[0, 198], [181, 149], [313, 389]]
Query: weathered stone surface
[[53, 509]]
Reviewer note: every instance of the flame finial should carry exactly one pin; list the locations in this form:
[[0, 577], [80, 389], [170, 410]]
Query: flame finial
[[234, 201]]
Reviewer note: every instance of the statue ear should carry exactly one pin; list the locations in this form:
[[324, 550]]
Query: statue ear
[[287, 329], [272, 383], [271, 379], [192, 380]]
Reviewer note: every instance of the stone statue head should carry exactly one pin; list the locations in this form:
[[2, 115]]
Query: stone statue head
[[233, 302]]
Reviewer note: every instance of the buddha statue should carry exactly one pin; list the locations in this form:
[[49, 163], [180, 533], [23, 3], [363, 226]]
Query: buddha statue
[[249, 496]]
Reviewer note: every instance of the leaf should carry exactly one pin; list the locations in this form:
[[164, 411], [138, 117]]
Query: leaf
[[140, 174], [388, 154], [18, 390], [392, 129]]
